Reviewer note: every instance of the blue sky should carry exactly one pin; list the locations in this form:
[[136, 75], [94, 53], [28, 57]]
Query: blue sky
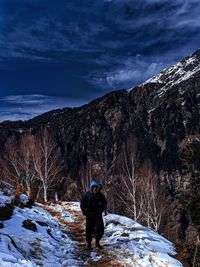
[[66, 53]]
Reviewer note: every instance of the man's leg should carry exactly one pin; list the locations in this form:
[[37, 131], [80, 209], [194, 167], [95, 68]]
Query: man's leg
[[99, 231], [89, 231]]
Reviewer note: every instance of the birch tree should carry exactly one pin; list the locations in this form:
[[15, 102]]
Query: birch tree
[[26, 161], [46, 160], [129, 181], [86, 174], [17, 161], [10, 163], [152, 196]]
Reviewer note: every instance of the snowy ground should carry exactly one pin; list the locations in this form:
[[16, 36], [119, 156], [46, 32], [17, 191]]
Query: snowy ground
[[125, 242], [138, 245], [48, 246]]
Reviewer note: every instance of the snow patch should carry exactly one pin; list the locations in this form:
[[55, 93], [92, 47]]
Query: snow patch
[[5, 199], [138, 245], [48, 246], [24, 199]]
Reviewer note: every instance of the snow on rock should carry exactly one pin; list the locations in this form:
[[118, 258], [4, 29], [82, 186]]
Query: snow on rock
[[48, 246], [175, 74], [5, 199], [138, 245], [73, 206], [181, 71], [63, 213], [23, 199]]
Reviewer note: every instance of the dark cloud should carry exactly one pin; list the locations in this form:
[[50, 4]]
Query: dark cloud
[[82, 49]]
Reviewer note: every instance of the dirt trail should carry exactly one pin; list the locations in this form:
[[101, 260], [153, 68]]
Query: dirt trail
[[76, 231]]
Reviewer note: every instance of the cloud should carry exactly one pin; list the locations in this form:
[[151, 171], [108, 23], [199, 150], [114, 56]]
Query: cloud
[[112, 24], [24, 107], [27, 99], [62, 31], [130, 73], [161, 32], [101, 45]]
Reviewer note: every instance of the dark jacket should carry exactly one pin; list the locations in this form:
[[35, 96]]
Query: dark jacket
[[93, 204], [104, 201]]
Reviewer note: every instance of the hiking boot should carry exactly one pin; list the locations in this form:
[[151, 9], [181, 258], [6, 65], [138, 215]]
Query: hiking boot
[[98, 245]]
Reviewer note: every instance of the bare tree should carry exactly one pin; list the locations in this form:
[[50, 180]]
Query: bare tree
[[86, 174], [152, 196], [17, 161], [46, 160], [10, 163], [140, 191], [128, 191], [26, 161]]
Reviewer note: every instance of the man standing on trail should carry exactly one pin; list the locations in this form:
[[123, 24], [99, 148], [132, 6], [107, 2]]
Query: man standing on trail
[[92, 205]]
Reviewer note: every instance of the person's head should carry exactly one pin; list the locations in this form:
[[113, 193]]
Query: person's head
[[94, 186]]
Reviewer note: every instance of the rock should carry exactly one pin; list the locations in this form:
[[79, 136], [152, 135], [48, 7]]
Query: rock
[[6, 212], [125, 234], [42, 223], [22, 201], [28, 224]]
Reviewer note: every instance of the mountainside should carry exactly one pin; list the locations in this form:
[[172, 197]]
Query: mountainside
[[161, 115]]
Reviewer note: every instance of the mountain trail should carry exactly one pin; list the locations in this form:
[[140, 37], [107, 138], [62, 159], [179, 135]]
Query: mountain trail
[[74, 226]]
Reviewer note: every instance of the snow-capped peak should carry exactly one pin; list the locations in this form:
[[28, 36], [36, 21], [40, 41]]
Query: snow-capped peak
[[179, 72]]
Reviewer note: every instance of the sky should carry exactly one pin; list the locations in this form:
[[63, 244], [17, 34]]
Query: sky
[[64, 53]]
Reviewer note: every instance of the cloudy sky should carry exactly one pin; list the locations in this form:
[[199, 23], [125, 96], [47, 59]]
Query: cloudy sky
[[68, 52]]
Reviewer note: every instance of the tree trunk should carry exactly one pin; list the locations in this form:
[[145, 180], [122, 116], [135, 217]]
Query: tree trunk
[[56, 196], [45, 192]]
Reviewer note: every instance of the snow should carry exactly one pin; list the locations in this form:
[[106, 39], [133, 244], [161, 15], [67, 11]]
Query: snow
[[143, 246], [24, 199], [175, 74], [23, 247], [125, 240], [95, 257], [20, 130], [64, 214], [4, 199], [155, 79]]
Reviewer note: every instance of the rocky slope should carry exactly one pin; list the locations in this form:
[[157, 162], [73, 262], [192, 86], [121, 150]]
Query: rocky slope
[[162, 115]]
